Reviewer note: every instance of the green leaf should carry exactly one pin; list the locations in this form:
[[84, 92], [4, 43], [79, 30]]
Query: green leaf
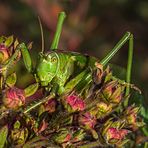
[[2, 39], [9, 41], [31, 89], [3, 136], [11, 79], [16, 43], [17, 125]]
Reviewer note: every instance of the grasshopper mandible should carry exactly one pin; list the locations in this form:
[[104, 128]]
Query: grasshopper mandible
[[58, 69]]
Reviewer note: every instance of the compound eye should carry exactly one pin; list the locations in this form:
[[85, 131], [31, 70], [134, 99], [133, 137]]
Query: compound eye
[[53, 59]]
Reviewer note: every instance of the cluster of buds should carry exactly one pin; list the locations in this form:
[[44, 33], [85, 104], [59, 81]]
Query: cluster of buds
[[110, 94]]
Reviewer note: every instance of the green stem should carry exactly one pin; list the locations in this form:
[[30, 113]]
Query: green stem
[[109, 56], [56, 38]]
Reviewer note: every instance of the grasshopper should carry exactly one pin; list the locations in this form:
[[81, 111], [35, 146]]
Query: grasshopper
[[60, 71]]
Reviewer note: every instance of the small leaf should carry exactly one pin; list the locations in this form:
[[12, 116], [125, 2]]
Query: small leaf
[[29, 46], [16, 43], [9, 41], [2, 39], [17, 125], [94, 134], [30, 90], [3, 136], [11, 79], [144, 112]]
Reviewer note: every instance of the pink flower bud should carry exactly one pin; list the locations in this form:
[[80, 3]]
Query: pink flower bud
[[75, 103], [87, 120], [14, 98], [115, 135]]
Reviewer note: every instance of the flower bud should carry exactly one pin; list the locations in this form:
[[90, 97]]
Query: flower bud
[[130, 115], [112, 92], [74, 103], [114, 135], [4, 55], [101, 109], [87, 120], [14, 98]]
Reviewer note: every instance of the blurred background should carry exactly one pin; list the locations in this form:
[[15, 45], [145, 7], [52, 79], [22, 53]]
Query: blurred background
[[91, 26]]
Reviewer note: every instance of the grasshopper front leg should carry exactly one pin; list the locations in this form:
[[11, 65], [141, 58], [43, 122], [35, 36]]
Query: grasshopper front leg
[[26, 57]]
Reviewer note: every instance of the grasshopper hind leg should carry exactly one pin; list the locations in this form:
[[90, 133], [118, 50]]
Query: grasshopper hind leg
[[128, 37]]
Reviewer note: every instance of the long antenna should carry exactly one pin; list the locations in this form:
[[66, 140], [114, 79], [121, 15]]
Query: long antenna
[[42, 34]]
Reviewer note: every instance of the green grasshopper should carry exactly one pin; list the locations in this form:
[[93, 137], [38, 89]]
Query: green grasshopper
[[57, 70]]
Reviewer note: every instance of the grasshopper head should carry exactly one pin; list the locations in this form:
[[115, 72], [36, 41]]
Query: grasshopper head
[[47, 67]]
